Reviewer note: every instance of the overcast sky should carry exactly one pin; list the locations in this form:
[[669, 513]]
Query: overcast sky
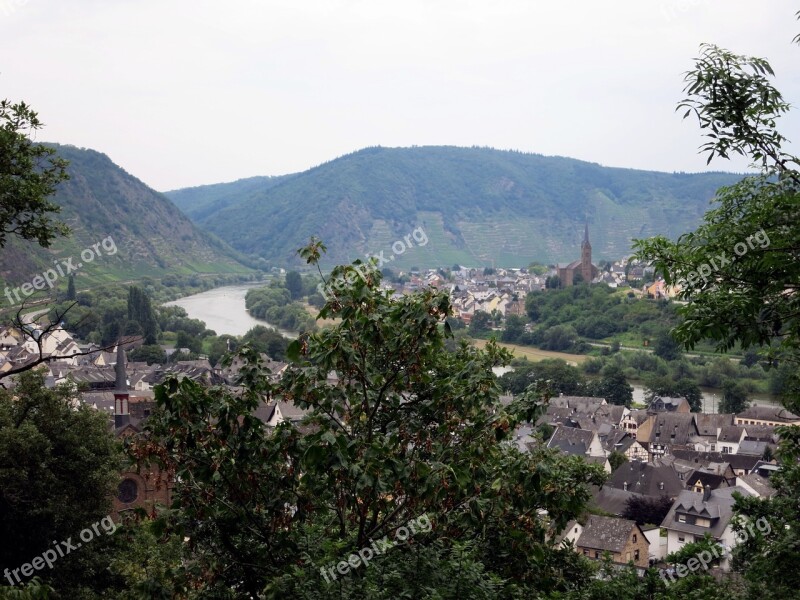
[[182, 93]]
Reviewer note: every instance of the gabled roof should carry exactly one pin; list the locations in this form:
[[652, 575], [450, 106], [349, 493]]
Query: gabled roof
[[571, 440], [731, 433], [718, 507], [609, 534], [768, 413], [737, 461], [709, 424], [672, 428], [650, 479]]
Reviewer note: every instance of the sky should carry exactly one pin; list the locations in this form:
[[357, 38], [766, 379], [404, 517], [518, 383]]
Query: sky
[[183, 93]]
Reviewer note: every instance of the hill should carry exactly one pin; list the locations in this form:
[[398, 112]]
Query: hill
[[138, 232], [478, 206]]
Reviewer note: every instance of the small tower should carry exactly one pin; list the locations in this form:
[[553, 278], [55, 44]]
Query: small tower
[[586, 256], [121, 392]]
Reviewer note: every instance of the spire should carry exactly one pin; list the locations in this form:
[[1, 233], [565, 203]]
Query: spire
[[586, 233], [122, 378]]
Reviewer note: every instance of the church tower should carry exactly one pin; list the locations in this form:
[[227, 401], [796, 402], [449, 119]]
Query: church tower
[[586, 257], [121, 391]]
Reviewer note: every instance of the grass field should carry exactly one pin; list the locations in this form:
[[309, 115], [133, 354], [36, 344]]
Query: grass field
[[534, 354]]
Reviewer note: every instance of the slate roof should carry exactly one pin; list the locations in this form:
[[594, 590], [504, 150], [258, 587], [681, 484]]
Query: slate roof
[[582, 404], [611, 500], [752, 448], [647, 479], [760, 484], [731, 433], [718, 507], [737, 461], [618, 440], [708, 424], [606, 533], [768, 413], [672, 428], [571, 440]]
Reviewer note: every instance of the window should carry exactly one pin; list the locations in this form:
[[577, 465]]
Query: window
[[634, 538], [597, 553], [585, 552], [635, 555], [681, 518], [127, 491], [681, 538], [624, 486], [725, 450]]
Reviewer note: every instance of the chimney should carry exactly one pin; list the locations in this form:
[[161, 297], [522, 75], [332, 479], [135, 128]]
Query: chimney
[[121, 392]]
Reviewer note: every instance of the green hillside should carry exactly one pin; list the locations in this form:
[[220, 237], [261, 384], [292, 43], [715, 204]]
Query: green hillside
[[477, 206], [103, 202]]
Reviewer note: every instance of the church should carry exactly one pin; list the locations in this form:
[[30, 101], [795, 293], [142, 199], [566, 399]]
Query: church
[[583, 268]]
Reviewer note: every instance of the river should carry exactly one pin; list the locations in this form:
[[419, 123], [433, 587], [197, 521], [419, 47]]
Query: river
[[223, 310]]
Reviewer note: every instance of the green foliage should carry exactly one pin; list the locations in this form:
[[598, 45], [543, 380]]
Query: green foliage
[[734, 398], [267, 340], [294, 283], [59, 467], [668, 387], [613, 386], [405, 429], [480, 324], [274, 304], [647, 511], [616, 459], [141, 312], [665, 347], [29, 176], [150, 354], [459, 196], [556, 374]]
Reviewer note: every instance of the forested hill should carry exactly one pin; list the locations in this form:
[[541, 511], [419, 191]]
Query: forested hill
[[478, 206], [101, 200]]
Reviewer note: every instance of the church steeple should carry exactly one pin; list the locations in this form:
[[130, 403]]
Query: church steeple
[[586, 235], [586, 256], [121, 391]]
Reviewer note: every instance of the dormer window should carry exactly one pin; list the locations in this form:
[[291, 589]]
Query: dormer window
[[625, 486], [661, 485]]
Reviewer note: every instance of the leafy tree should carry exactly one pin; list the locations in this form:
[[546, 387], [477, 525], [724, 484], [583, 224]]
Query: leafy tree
[[553, 282], [141, 311], [267, 340], [29, 175], [58, 470], [406, 429], [666, 347], [556, 374], [515, 327], [647, 511], [71, 288], [616, 459], [613, 386], [149, 354], [294, 283], [734, 398], [480, 323]]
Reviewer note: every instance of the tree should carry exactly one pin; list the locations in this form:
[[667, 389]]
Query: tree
[[740, 267], [734, 398], [29, 175], [71, 288], [666, 347], [405, 429], [59, 470], [149, 354], [667, 387], [645, 510], [141, 311], [480, 322], [294, 283], [613, 386], [616, 459]]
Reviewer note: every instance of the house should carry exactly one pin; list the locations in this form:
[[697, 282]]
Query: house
[[578, 404], [741, 464], [631, 421], [709, 427], [757, 485], [620, 441], [573, 441], [654, 479], [666, 404], [623, 539], [694, 515], [666, 430], [766, 415], [729, 439]]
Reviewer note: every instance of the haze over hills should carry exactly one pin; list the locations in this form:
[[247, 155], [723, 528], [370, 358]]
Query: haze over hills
[[152, 237], [478, 207]]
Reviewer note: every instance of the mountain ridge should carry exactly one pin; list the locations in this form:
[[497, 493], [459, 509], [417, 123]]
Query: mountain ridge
[[480, 206]]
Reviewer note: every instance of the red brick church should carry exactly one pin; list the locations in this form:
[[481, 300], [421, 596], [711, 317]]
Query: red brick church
[[583, 267]]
